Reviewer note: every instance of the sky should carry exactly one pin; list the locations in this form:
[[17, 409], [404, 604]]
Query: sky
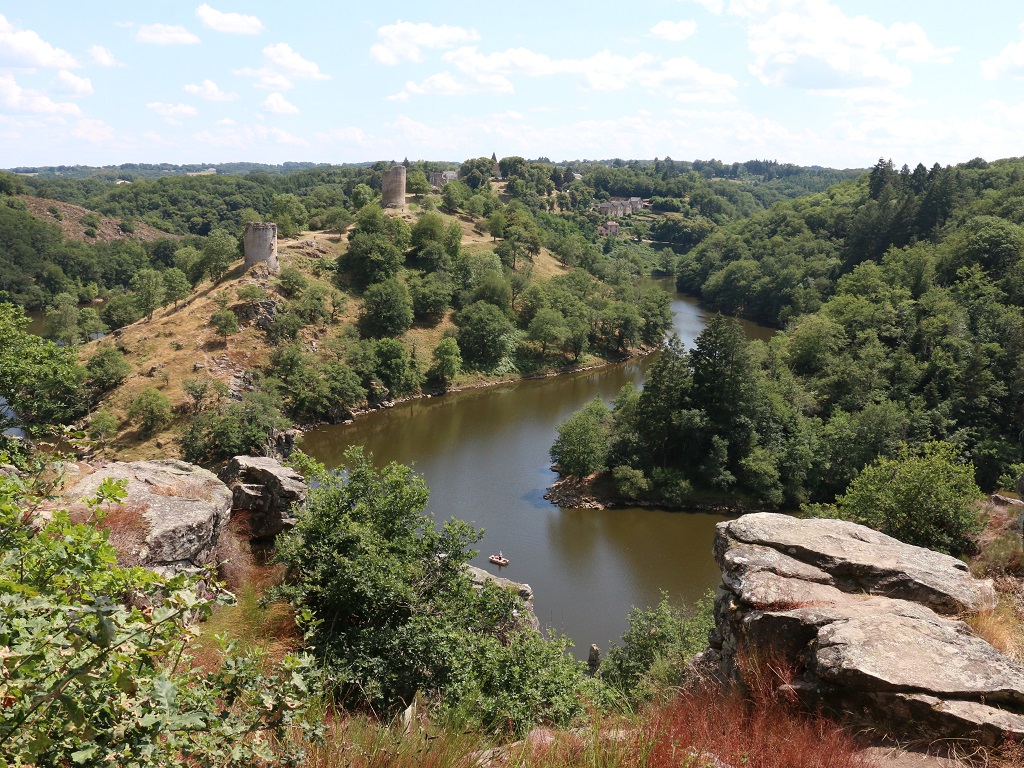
[[815, 82]]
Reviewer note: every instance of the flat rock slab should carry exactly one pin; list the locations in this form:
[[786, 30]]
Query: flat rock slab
[[888, 652], [858, 559], [865, 622], [178, 508]]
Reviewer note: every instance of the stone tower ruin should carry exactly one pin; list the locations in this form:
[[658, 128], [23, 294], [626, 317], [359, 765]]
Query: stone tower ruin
[[394, 187], [260, 243]]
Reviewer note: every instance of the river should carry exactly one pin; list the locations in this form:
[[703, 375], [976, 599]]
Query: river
[[484, 455]]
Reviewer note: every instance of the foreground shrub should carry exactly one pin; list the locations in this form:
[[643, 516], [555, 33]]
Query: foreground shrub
[[232, 429], [95, 669], [389, 611], [657, 647], [928, 500]]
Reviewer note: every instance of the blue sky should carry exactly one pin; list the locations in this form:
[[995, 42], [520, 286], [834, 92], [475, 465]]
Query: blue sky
[[827, 82]]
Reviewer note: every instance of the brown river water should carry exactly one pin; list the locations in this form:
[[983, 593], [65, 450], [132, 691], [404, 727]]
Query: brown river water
[[484, 455]]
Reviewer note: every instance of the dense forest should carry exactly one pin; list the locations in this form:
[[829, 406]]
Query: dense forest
[[899, 294]]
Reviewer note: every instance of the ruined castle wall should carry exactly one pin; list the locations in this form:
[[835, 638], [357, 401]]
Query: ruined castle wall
[[260, 243], [394, 187]]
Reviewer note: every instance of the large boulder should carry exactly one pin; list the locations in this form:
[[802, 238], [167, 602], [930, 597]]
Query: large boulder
[[171, 517], [265, 494], [867, 623]]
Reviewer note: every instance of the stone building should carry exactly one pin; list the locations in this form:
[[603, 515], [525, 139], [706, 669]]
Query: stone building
[[439, 178], [260, 245], [394, 187]]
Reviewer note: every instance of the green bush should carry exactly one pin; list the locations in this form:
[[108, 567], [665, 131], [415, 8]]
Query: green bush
[[928, 500], [389, 611], [150, 409], [581, 447], [90, 679], [232, 429], [107, 368], [657, 647]]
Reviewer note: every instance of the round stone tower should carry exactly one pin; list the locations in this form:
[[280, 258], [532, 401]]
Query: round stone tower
[[394, 187], [260, 242]]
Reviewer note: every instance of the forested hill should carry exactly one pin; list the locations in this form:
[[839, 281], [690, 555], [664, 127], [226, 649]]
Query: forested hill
[[901, 297], [785, 262]]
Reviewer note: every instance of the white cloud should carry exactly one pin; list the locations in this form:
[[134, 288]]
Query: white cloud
[[349, 135], [226, 121], [680, 78], [210, 91], [24, 48], [446, 84], [18, 99], [94, 131], [282, 66], [173, 113], [403, 40], [675, 31], [74, 85], [102, 56], [712, 6], [283, 137], [277, 104], [1009, 61], [813, 44], [165, 34], [232, 23]]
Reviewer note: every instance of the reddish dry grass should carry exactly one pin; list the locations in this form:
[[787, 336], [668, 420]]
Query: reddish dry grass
[[756, 732]]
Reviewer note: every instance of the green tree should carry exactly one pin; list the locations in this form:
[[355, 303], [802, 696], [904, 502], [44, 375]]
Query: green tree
[[39, 380], [396, 368], [431, 297], [928, 499], [387, 310], [290, 215], [233, 429], [102, 426], [362, 196], [391, 611], [657, 647], [62, 319], [581, 447], [149, 289], [176, 285], [547, 328], [225, 322], [454, 195], [416, 183], [447, 362], [150, 409], [482, 327], [120, 310], [106, 369], [219, 251]]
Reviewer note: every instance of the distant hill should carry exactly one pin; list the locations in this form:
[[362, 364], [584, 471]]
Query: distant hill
[[74, 220]]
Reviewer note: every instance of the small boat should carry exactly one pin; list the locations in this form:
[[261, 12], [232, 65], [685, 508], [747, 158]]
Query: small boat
[[499, 559]]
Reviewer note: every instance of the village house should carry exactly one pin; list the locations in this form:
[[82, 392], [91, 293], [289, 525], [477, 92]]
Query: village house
[[439, 178], [608, 228]]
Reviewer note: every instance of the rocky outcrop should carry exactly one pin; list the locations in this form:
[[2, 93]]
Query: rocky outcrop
[[265, 494], [171, 517], [868, 624], [479, 577]]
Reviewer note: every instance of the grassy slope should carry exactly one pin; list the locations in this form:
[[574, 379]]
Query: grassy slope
[[179, 343]]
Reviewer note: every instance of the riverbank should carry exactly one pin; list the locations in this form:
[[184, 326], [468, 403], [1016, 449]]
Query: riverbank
[[597, 491]]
